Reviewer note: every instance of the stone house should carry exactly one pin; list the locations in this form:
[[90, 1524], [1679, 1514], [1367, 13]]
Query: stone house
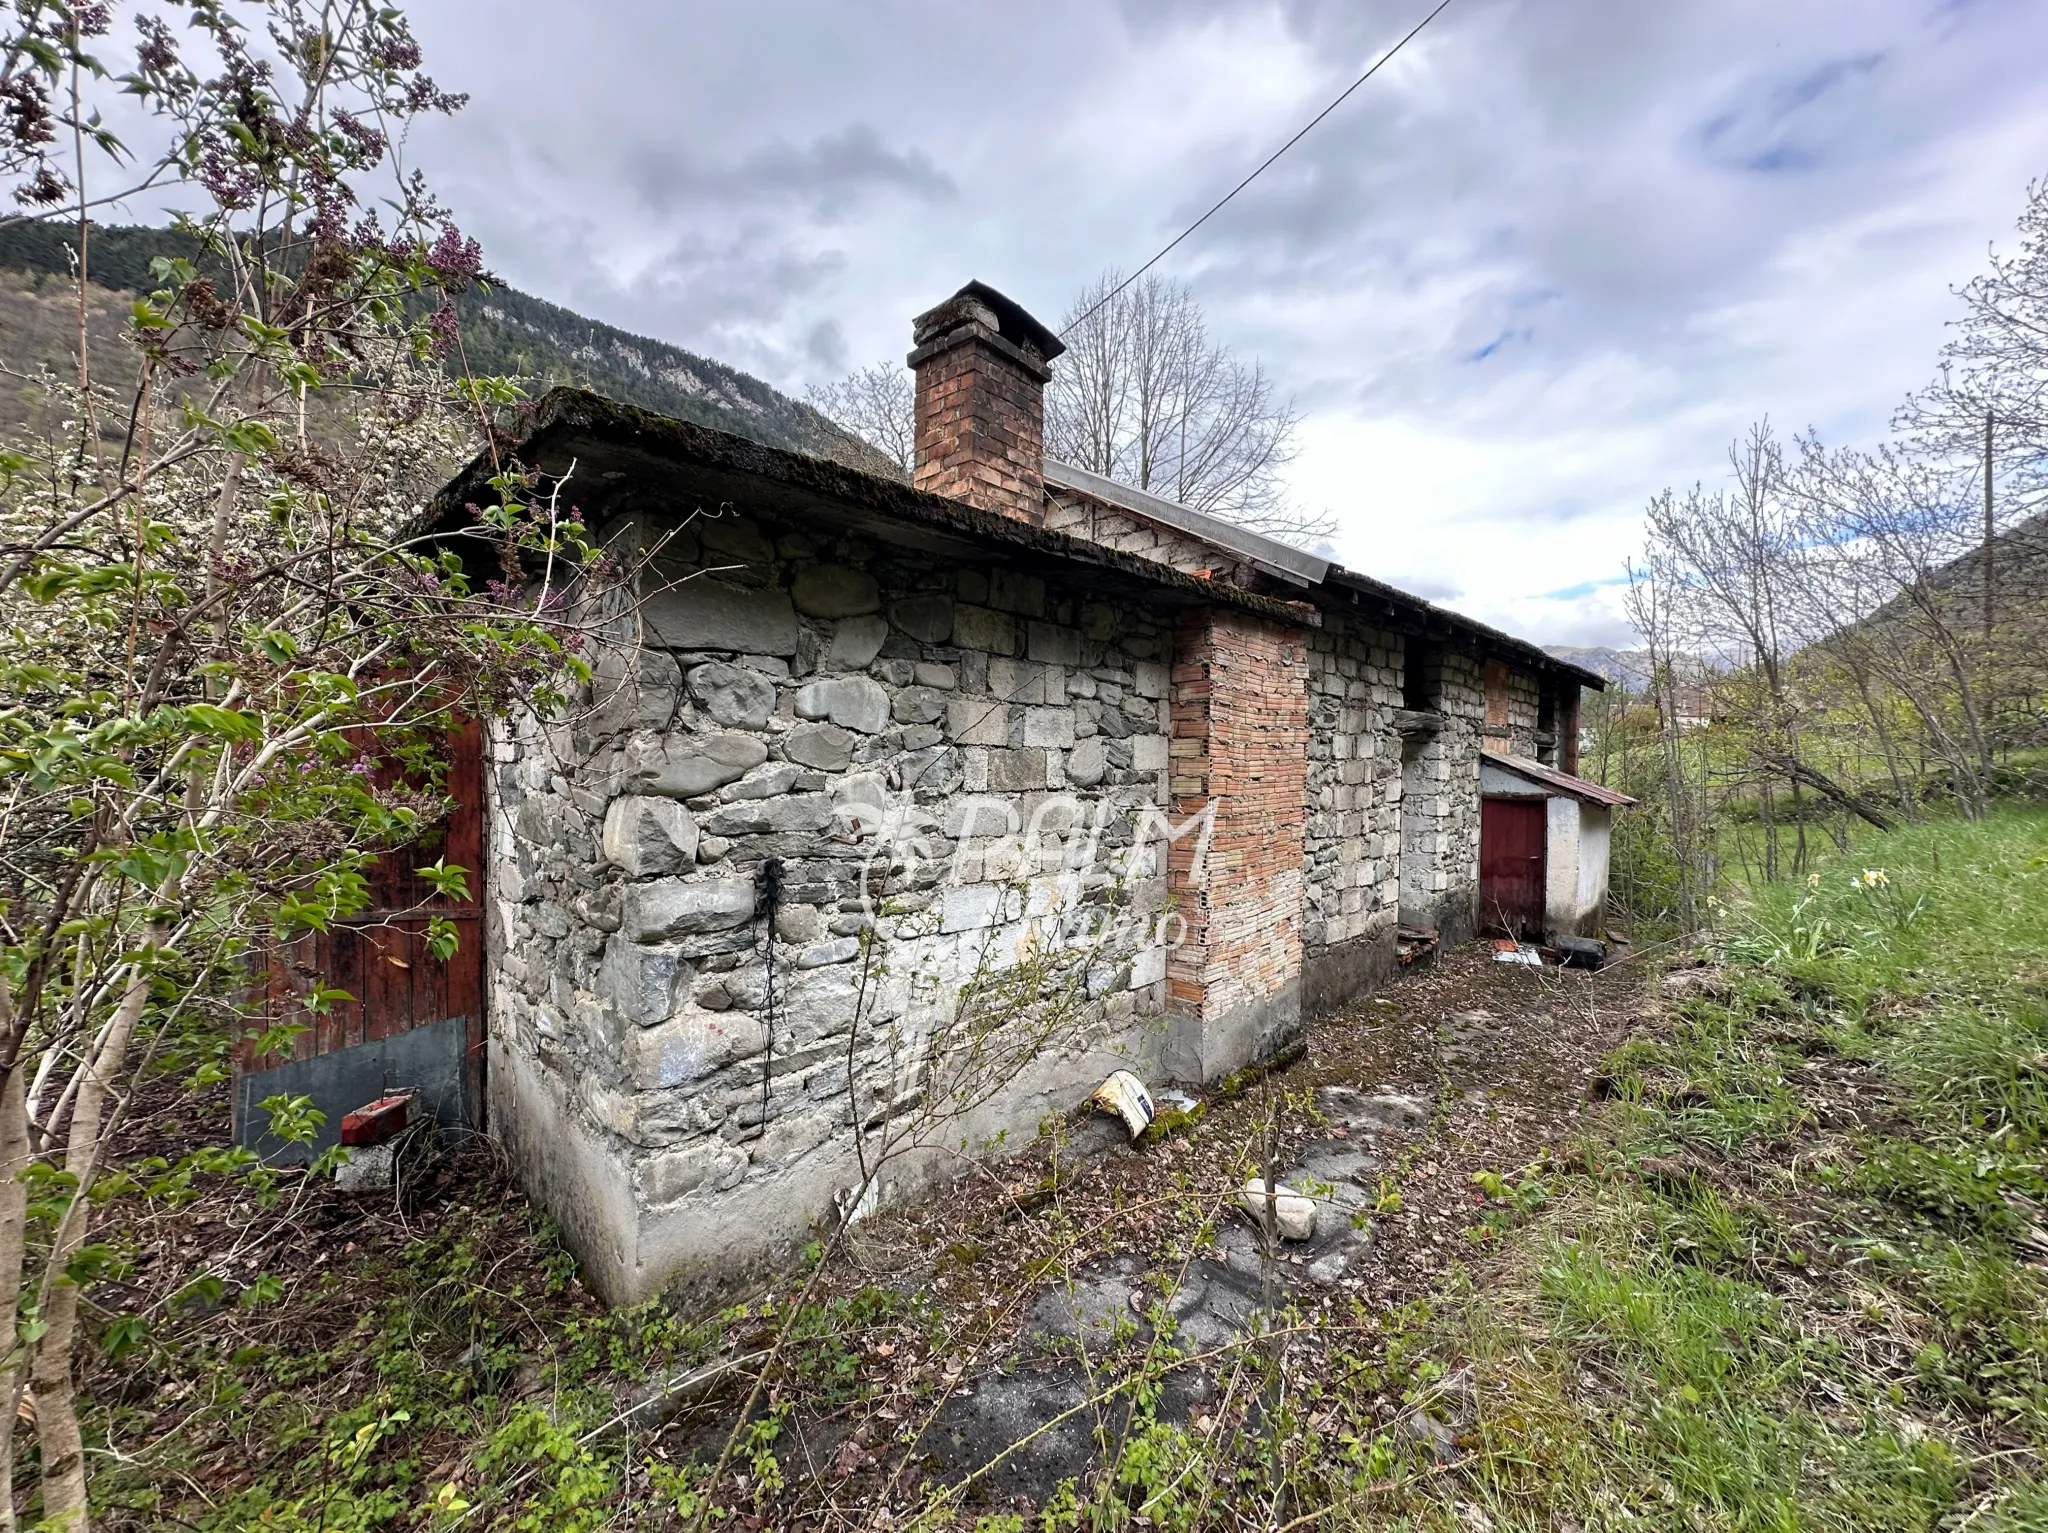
[[1019, 696]]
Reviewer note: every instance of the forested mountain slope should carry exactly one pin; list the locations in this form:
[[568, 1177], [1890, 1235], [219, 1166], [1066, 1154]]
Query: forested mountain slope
[[504, 332]]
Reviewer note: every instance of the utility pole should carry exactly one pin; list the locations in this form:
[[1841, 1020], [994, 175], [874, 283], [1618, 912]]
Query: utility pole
[[1989, 587]]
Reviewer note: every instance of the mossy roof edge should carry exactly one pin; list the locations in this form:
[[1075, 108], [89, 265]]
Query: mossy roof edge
[[567, 409]]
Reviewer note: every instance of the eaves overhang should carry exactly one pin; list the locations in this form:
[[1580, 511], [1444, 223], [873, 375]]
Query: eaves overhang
[[1564, 782], [597, 441]]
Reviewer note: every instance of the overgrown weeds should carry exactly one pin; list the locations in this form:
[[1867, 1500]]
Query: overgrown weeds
[[1803, 1284]]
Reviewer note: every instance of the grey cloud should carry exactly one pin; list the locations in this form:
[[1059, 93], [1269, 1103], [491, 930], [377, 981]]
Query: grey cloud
[[723, 294], [825, 346], [1789, 125], [829, 177], [1555, 255], [728, 297]]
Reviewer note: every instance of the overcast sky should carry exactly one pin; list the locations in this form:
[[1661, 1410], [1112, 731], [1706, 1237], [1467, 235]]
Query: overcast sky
[[1549, 260]]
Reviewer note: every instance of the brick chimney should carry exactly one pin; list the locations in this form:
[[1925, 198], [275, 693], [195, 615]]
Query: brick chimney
[[982, 365]]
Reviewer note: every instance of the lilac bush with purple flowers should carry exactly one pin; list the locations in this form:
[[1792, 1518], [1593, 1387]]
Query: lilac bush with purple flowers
[[219, 613]]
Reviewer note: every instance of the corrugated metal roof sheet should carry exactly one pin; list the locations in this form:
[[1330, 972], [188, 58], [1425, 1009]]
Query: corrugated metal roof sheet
[[1564, 782], [1281, 558]]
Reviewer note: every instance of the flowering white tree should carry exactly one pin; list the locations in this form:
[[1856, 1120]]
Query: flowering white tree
[[1991, 396]]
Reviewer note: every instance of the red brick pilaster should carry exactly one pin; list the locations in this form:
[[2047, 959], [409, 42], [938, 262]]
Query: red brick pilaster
[[1240, 742]]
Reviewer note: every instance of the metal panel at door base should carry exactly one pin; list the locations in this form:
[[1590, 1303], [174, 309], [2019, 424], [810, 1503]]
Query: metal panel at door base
[[431, 1060]]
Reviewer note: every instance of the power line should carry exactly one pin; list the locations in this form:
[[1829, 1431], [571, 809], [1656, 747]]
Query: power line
[[1248, 180]]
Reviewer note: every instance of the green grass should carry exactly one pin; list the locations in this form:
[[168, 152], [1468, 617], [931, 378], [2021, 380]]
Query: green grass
[[1797, 1286]]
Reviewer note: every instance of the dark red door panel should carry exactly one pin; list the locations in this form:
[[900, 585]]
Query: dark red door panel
[[1511, 864]]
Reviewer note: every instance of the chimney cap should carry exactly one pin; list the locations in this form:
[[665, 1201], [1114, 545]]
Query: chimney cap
[[1013, 322]]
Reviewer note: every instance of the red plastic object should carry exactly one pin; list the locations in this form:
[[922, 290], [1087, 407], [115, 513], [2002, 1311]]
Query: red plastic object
[[376, 1122]]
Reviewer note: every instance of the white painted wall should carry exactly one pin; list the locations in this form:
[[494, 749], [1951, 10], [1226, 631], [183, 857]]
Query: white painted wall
[[1596, 834], [1561, 865]]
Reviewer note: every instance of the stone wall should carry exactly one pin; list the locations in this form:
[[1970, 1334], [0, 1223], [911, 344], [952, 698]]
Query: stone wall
[[1440, 813], [1353, 846], [1512, 701], [1524, 705], [1393, 821], [984, 744], [949, 763]]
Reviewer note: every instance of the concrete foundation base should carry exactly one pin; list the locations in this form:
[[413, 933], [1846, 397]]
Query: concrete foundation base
[[713, 1241], [1200, 1050], [1337, 976]]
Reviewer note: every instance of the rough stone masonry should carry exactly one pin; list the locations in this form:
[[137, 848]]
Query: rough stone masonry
[[1008, 721]]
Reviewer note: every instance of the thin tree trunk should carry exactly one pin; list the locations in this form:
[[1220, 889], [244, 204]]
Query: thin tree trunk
[[1767, 812], [1936, 735], [14, 1157], [1798, 831], [1952, 651], [1678, 794], [57, 1430], [1818, 780], [217, 548], [1884, 738]]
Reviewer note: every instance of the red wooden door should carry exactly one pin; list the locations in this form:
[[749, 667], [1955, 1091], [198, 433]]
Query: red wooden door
[[1511, 864], [380, 955]]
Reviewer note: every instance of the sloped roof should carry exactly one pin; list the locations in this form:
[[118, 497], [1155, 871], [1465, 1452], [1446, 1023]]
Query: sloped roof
[[1329, 584], [566, 417], [1564, 782], [607, 441], [1277, 558]]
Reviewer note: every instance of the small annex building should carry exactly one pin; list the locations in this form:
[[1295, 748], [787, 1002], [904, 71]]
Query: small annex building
[[951, 721], [1544, 839]]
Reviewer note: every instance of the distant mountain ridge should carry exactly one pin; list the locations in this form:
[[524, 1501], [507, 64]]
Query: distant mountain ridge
[[507, 333], [1625, 667], [513, 334]]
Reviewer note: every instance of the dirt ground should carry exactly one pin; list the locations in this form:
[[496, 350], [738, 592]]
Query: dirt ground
[[986, 1344], [1396, 1104]]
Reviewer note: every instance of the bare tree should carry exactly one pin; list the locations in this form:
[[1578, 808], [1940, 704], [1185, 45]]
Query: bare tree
[[878, 405], [1985, 419], [1885, 539], [1732, 563], [1144, 397], [1688, 825], [1875, 621], [1994, 372]]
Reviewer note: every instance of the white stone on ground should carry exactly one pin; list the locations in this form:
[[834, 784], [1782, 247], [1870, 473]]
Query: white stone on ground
[[1295, 1214]]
